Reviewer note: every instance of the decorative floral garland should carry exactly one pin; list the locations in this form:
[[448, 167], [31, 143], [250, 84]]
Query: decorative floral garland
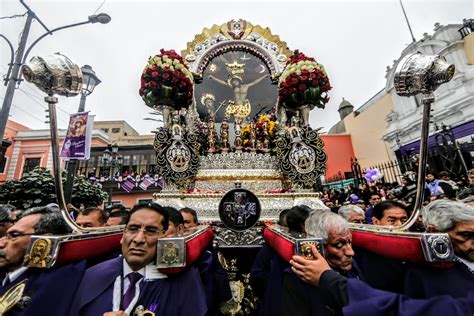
[[304, 81], [166, 80]]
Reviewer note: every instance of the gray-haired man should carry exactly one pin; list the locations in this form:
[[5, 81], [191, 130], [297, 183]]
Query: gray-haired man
[[352, 213], [457, 220], [299, 298]]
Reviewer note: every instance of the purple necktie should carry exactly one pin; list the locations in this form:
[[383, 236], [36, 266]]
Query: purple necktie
[[134, 277]]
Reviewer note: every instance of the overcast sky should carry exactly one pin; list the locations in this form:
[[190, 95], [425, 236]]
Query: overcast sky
[[354, 40]]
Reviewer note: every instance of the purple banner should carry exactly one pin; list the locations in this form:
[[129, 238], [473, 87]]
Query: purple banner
[[77, 142]]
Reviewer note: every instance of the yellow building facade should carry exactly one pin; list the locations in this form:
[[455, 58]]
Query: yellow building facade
[[367, 126]]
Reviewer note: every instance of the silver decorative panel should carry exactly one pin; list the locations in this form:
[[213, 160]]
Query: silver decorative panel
[[252, 237], [206, 205]]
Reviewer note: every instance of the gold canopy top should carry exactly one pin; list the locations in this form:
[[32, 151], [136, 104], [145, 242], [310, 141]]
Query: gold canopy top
[[236, 31]]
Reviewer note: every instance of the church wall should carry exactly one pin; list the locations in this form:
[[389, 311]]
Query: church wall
[[367, 130], [469, 48], [339, 150]]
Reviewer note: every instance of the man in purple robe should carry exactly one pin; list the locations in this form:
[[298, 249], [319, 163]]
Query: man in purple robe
[[268, 267], [131, 284], [303, 299], [43, 287], [457, 220], [266, 277], [357, 298], [380, 272]]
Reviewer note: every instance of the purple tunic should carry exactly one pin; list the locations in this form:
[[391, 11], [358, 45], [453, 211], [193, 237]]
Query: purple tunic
[[302, 299], [425, 282], [215, 281], [180, 294], [367, 301], [266, 274], [47, 292]]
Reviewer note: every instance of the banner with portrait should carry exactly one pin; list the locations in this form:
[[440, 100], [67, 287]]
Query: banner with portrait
[[77, 143]]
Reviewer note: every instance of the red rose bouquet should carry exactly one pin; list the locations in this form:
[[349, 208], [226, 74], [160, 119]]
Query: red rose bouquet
[[303, 81], [166, 80]]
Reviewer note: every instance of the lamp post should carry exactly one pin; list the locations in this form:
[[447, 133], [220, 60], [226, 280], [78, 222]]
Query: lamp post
[[111, 159], [89, 82], [13, 74]]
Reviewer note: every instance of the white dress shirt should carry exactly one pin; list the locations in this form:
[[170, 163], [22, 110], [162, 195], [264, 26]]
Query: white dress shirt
[[149, 272], [12, 276]]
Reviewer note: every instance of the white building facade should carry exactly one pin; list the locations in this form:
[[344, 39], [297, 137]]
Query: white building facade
[[454, 101]]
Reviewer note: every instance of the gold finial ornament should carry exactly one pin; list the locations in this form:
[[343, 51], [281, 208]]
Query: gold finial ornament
[[236, 29]]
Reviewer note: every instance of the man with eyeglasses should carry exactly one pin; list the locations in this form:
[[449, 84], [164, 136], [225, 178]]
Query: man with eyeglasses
[[42, 286], [298, 297], [131, 284]]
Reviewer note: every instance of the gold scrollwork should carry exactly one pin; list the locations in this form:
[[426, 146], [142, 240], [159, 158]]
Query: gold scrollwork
[[39, 255], [224, 30], [11, 298], [170, 253]]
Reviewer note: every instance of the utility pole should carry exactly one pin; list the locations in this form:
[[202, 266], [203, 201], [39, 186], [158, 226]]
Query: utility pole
[[14, 76], [7, 101]]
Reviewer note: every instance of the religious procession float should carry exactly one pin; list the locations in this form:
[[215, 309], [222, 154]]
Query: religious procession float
[[236, 146]]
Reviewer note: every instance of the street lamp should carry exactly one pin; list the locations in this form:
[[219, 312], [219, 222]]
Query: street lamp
[[89, 82], [111, 159], [13, 74]]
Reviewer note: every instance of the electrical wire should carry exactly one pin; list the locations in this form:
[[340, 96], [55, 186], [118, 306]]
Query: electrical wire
[[14, 16], [42, 105], [34, 91], [26, 112]]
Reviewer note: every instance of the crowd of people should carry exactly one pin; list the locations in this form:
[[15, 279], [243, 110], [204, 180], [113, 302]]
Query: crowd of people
[[121, 283], [363, 198], [347, 280], [350, 280], [353, 281]]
